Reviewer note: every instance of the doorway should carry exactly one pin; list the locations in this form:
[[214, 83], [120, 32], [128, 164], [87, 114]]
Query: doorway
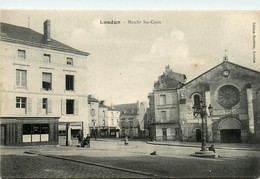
[[198, 135], [230, 136], [164, 131], [3, 135]]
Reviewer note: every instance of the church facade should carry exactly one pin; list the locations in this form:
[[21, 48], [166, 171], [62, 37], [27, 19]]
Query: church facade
[[234, 93]]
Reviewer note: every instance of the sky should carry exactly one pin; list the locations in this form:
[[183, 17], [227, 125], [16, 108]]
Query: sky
[[125, 59]]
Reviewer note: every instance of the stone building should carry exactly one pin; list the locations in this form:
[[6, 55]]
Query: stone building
[[113, 122], [43, 99], [93, 105], [164, 106], [233, 92], [104, 120], [131, 119]]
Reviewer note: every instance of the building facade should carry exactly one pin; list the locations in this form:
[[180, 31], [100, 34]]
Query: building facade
[[164, 106], [104, 120], [132, 119], [233, 92], [113, 122], [93, 116], [41, 100]]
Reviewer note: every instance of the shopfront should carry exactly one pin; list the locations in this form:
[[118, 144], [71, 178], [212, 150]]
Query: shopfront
[[29, 131]]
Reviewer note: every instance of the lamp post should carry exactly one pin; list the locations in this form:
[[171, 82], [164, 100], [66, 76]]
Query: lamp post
[[200, 110]]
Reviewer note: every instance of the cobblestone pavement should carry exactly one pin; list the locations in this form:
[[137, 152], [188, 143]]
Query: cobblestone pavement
[[170, 161], [30, 166]]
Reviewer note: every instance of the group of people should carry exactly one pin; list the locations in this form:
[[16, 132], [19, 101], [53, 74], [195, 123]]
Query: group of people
[[86, 142]]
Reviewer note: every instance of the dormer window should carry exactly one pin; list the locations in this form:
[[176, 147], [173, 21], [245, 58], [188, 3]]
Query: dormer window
[[21, 54], [69, 61], [47, 58]]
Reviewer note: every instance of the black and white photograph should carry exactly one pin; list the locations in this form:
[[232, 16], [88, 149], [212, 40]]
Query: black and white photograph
[[129, 93]]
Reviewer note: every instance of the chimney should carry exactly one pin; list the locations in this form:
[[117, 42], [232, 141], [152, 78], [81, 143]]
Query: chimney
[[102, 102], [47, 30]]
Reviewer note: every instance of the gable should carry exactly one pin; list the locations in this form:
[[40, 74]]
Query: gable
[[228, 71]]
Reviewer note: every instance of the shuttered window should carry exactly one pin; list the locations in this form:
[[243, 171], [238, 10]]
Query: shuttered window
[[21, 78], [46, 81], [163, 113], [69, 106]]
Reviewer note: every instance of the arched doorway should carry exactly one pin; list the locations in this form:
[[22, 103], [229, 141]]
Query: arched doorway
[[230, 130], [198, 135]]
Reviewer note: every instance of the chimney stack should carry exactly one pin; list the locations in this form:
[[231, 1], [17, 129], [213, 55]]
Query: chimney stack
[[47, 30]]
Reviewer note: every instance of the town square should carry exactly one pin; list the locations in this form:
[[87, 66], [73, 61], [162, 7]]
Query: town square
[[129, 94]]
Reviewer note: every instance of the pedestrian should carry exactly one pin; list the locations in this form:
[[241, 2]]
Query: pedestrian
[[83, 142], [126, 140], [88, 141], [95, 133], [211, 148]]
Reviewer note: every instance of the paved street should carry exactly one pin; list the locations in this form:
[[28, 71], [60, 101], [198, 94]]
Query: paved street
[[171, 161]]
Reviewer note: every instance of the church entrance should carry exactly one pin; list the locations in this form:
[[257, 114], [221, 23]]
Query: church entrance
[[230, 136], [230, 130]]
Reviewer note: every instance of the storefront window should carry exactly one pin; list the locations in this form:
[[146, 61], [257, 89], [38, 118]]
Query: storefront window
[[35, 132]]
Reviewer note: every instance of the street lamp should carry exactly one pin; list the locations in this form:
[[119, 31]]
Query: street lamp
[[200, 110]]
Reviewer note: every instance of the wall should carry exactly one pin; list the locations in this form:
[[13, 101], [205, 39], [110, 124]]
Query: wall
[[34, 66], [210, 83]]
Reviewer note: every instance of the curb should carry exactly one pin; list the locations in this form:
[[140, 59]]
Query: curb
[[95, 164], [181, 145]]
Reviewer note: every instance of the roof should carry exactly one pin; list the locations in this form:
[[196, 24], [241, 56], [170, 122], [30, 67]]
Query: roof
[[129, 106], [112, 109], [103, 106], [128, 109], [91, 99], [220, 65], [27, 36], [169, 80]]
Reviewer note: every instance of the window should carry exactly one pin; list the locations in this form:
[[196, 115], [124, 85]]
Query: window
[[112, 122], [104, 113], [112, 114], [104, 122], [44, 103], [162, 99], [131, 124], [69, 106], [35, 132], [197, 100], [46, 81], [47, 58], [70, 61], [163, 114], [123, 124], [70, 82], [21, 78], [92, 112], [21, 54], [20, 102], [93, 122]]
